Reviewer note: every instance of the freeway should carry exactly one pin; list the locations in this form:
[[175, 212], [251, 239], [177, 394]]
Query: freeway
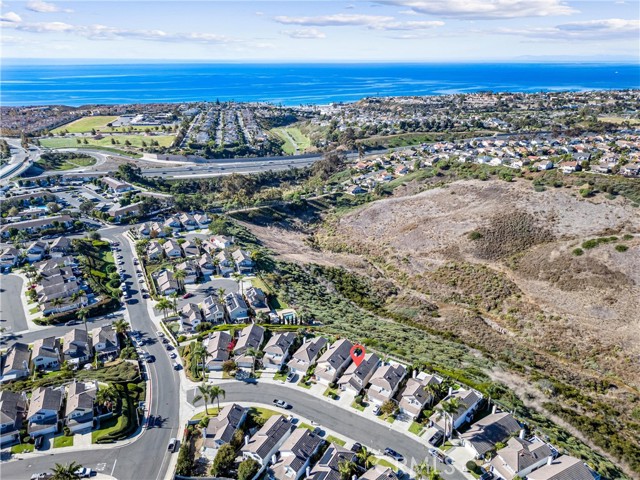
[[356, 427], [146, 457]]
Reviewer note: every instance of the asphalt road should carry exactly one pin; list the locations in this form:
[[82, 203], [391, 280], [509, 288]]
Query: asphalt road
[[147, 457], [12, 317], [342, 421]]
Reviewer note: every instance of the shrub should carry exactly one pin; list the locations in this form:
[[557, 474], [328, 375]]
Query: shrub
[[472, 466], [577, 252], [247, 469], [475, 235], [621, 248], [181, 338], [223, 463], [627, 236], [589, 244], [184, 465]]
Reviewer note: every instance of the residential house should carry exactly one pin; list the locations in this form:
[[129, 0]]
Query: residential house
[[295, 455], [205, 263], [543, 165], [167, 284], [520, 457], [13, 407], [46, 353], [333, 362], [190, 317], [356, 377], [172, 223], [276, 351], [355, 190], [221, 242], [188, 222], [105, 341], [483, 435], [385, 383], [250, 336], [562, 468], [116, 186], [417, 393], [79, 412], [44, 410], [60, 247], [469, 400], [379, 472], [237, 309], [306, 355], [154, 251], [76, 347], [202, 220], [265, 442], [256, 297], [122, 213], [327, 467], [570, 167], [221, 428], [172, 249], [15, 363], [62, 304], [190, 249], [9, 257], [36, 225], [224, 264], [219, 346], [36, 251], [243, 261], [190, 269], [630, 169], [213, 311], [144, 230]]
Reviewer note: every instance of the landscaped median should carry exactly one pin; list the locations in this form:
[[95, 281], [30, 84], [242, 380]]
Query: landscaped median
[[125, 419]]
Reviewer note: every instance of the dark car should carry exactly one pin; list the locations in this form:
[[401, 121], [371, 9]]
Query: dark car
[[486, 476], [38, 443], [389, 452], [436, 439], [356, 447]]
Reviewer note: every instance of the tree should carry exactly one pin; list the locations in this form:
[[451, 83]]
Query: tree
[[106, 395], [206, 394], [164, 305], [365, 458], [198, 354], [446, 410], [82, 314], [388, 407], [347, 469], [426, 472], [223, 463], [238, 277], [228, 366], [216, 393], [121, 326], [179, 275], [253, 353], [53, 207], [66, 472], [86, 207], [248, 469]]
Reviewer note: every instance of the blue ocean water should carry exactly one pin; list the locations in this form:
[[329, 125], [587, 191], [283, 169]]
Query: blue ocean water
[[291, 84]]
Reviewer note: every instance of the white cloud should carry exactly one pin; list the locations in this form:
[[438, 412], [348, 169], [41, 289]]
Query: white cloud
[[604, 29], [10, 17], [304, 33], [337, 20], [486, 9], [373, 22], [44, 7]]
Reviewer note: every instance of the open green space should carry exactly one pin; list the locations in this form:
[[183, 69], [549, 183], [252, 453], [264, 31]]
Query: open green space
[[86, 124], [63, 441], [22, 448], [107, 141], [64, 161], [293, 139]]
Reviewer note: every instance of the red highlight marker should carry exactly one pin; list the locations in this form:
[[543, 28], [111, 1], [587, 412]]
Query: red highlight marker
[[357, 354]]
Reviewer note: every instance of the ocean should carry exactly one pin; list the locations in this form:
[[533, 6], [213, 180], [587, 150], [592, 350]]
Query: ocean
[[291, 84]]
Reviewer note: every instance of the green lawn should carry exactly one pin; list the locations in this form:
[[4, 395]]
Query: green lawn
[[385, 463], [304, 385], [306, 425], [63, 441], [67, 164], [110, 425], [264, 413], [300, 140], [357, 406], [280, 376], [85, 124], [416, 428], [330, 392], [336, 440], [22, 448], [135, 140], [34, 310], [213, 411]]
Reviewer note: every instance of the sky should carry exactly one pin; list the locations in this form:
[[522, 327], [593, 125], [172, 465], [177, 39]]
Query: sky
[[317, 31]]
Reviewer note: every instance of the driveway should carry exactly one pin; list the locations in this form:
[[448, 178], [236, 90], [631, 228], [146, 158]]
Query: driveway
[[340, 420], [12, 317]]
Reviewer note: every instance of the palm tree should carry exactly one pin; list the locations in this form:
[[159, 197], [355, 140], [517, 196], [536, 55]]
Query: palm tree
[[56, 302], [205, 393], [433, 389], [221, 293], [29, 270], [174, 302], [365, 458], [82, 314], [198, 354], [216, 393], [346, 469], [238, 278], [120, 326], [164, 305], [66, 472], [446, 410], [252, 352], [425, 472], [179, 275]]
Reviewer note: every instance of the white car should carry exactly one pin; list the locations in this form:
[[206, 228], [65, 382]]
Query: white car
[[160, 333]]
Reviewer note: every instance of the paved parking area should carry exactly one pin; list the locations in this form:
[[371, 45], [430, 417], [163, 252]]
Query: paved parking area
[[12, 317]]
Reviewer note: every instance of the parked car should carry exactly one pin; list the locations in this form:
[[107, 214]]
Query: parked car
[[187, 295], [376, 410], [356, 447], [38, 443], [41, 476], [487, 476], [169, 347], [291, 376], [173, 443], [72, 322], [84, 472], [160, 333], [176, 366], [281, 404], [436, 439], [390, 452]]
